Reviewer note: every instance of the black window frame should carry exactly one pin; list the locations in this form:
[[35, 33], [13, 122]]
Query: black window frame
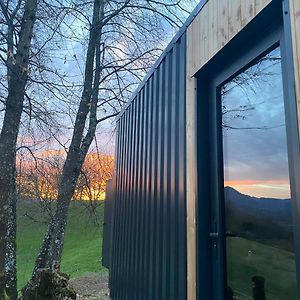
[[270, 29]]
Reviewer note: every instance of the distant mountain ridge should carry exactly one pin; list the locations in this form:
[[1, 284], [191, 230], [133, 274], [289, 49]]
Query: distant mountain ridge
[[266, 220], [268, 207]]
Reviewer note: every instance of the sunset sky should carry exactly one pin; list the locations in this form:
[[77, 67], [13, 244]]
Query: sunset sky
[[256, 160]]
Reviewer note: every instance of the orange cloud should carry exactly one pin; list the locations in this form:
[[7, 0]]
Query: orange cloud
[[262, 188]]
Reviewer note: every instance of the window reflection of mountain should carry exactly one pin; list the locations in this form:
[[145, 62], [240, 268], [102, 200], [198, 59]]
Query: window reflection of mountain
[[249, 82], [264, 220]]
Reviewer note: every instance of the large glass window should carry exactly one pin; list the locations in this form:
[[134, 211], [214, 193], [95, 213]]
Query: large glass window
[[258, 209]]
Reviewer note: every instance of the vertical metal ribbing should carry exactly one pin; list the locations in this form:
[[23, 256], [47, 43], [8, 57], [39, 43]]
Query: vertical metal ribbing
[[149, 216], [156, 183], [149, 247], [178, 140], [120, 204], [123, 208], [117, 221], [173, 195], [136, 199], [131, 216], [126, 233], [153, 186], [115, 225], [127, 202], [143, 194], [140, 199], [160, 183], [146, 198], [169, 201], [131, 203], [182, 242], [166, 181], [175, 181], [117, 209], [136, 195]]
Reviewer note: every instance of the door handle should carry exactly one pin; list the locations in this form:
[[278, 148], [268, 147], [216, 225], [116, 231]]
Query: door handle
[[227, 234], [231, 234], [214, 234]]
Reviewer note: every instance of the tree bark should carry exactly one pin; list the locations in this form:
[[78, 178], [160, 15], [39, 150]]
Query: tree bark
[[51, 250], [17, 78]]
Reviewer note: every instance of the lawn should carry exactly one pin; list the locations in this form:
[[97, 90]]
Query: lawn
[[83, 240], [82, 253], [248, 258]]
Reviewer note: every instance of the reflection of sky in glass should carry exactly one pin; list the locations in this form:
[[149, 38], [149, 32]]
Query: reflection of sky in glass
[[255, 150]]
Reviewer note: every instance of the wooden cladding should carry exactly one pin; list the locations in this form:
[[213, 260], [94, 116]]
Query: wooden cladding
[[216, 24], [295, 27]]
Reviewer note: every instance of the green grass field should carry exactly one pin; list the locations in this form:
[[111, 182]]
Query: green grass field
[[83, 241], [275, 265]]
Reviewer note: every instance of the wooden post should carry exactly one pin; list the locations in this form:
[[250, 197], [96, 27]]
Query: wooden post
[[191, 188], [295, 28]]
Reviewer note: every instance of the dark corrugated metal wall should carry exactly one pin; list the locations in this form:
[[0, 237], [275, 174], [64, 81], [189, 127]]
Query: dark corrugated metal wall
[[108, 223], [149, 239]]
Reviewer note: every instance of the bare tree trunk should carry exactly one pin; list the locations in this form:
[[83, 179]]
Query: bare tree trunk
[[51, 249], [52, 246], [95, 72], [17, 78]]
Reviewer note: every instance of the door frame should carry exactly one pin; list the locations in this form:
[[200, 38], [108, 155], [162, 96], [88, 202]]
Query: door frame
[[236, 56]]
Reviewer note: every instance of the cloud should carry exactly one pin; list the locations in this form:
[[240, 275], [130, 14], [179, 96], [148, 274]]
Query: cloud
[[257, 150]]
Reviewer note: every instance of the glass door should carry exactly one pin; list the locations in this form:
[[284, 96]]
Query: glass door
[[260, 255]]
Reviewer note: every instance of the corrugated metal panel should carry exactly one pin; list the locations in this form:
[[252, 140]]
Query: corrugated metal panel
[[108, 224], [149, 240]]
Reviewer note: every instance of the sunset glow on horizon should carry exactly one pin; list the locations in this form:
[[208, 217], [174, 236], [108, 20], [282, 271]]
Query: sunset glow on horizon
[[262, 188], [39, 179]]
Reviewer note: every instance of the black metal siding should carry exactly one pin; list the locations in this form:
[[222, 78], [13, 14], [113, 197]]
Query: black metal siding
[[149, 240], [108, 223]]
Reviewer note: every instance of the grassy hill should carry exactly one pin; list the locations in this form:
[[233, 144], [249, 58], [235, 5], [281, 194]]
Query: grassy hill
[[277, 266], [82, 253], [83, 240]]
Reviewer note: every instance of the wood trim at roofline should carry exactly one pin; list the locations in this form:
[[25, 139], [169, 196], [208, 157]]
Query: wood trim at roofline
[[217, 23], [295, 30]]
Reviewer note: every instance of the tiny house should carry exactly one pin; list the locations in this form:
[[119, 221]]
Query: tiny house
[[205, 200]]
